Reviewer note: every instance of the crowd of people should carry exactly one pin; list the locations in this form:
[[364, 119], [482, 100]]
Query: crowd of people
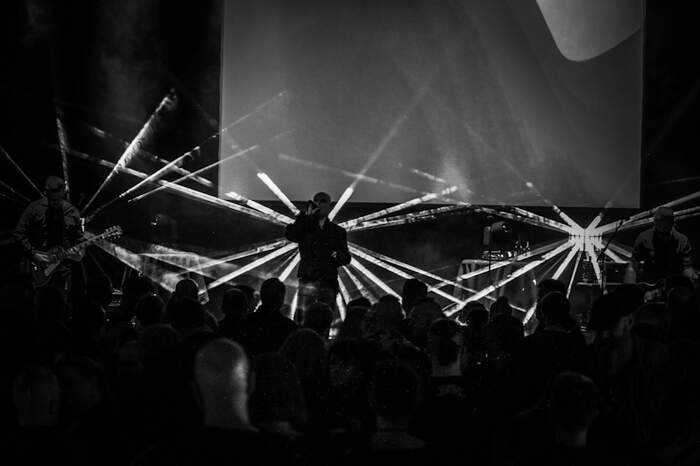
[[395, 382]]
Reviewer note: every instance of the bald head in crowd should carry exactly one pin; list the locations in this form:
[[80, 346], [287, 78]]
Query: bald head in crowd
[[222, 374]]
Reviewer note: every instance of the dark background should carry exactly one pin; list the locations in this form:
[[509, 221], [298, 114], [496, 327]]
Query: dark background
[[110, 63]]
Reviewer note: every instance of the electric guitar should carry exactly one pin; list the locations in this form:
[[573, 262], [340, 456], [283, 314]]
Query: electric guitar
[[46, 263]]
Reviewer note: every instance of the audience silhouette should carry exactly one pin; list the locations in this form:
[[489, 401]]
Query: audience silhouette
[[396, 382]]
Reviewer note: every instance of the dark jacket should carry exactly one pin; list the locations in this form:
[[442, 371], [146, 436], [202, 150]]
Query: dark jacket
[[32, 229], [663, 256], [316, 245], [265, 330]]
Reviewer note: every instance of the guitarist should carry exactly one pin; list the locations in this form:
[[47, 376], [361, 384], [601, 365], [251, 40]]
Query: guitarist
[[51, 224], [662, 251]]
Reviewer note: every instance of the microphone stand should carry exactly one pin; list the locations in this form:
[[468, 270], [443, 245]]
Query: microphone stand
[[601, 257]]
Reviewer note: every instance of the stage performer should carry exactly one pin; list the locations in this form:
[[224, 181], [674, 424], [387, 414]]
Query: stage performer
[[323, 248], [662, 250], [50, 225]]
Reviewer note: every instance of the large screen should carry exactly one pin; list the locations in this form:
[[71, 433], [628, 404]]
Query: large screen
[[517, 102]]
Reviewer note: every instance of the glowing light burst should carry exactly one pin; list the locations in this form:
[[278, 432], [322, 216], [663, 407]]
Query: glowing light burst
[[278, 192]]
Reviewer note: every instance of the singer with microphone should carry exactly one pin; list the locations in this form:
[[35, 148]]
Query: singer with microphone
[[323, 247]]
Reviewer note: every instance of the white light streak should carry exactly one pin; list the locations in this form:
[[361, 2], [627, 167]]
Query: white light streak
[[21, 172], [620, 250], [295, 303], [290, 267], [574, 250], [399, 207], [196, 172], [530, 312], [403, 219], [134, 147], [187, 192], [258, 249], [402, 274], [358, 284], [373, 278], [341, 202], [521, 257], [344, 290], [341, 306], [278, 192], [441, 281], [13, 191], [252, 265], [63, 144], [590, 249], [566, 218], [259, 207], [573, 274], [192, 152], [530, 218], [521, 271], [348, 174]]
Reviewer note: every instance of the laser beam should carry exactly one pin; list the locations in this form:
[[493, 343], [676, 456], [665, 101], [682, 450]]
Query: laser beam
[[21, 172], [141, 138], [252, 265], [358, 284], [565, 263], [441, 281], [63, 143], [521, 271], [399, 207], [194, 152], [403, 219], [13, 191], [341, 202], [373, 278], [290, 268], [521, 257], [259, 207], [278, 192], [187, 192], [196, 172], [402, 274]]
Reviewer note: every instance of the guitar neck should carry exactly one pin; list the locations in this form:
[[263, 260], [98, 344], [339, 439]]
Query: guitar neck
[[82, 245]]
